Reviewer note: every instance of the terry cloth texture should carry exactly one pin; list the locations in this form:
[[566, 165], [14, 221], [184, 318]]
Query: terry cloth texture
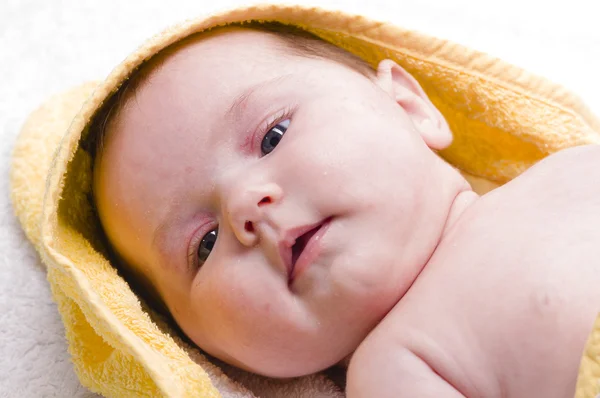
[[503, 120]]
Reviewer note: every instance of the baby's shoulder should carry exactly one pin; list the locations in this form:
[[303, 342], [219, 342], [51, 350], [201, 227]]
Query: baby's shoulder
[[404, 353], [553, 185], [572, 166]]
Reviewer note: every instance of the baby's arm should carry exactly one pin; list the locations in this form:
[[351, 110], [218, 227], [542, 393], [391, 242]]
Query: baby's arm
[[395, 374]]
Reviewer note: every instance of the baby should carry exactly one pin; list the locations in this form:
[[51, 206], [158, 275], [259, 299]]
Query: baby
[[285, 204]]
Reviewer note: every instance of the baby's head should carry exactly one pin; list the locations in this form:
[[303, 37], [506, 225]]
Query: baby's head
[[274, 192]]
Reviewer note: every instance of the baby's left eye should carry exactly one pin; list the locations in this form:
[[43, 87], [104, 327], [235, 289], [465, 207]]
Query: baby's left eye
[[273, 136], [206, 245]]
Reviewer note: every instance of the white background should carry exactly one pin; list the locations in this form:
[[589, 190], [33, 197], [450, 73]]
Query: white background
[[47, 46]]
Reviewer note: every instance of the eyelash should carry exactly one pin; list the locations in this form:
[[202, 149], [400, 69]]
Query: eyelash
[[195, 243], [268, 124]]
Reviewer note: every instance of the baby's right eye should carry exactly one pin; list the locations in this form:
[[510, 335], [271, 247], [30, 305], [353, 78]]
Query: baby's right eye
[[206, 245]]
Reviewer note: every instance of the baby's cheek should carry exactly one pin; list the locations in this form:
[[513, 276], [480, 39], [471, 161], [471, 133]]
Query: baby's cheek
[[251, 318], [242, 295], [217, 303], [366, 275]]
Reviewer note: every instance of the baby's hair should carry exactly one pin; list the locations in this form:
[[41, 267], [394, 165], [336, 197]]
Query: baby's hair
[[298, 41]]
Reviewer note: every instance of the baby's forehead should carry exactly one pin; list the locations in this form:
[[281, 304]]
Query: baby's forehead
[[242, 46], [221, 60], [224, 45], [211, 69], [209, 72]]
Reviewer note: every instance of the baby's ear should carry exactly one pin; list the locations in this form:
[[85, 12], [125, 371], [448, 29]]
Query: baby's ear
[[407, 92]]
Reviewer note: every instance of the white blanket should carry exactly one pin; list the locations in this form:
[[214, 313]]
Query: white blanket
[[48, 46]]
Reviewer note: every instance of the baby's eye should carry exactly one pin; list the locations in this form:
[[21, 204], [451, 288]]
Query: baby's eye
[[273, 136], [206, 245]]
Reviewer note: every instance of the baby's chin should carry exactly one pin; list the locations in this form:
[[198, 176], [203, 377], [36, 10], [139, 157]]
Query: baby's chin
[[282, 364]]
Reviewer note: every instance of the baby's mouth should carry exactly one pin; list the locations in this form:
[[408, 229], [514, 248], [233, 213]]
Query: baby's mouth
[[300, 244]]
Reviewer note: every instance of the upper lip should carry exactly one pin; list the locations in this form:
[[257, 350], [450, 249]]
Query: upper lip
[[289, 240]]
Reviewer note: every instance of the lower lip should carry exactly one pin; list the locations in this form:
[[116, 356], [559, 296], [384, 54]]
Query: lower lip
[[311, 251]]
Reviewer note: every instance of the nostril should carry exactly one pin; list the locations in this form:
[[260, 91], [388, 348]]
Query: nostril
[[248, 226], [265, 201]]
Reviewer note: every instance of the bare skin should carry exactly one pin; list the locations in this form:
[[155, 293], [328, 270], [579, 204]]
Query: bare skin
[[505, 305], [348, 237]]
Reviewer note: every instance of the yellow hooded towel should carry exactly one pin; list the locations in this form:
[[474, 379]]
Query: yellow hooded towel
[[503, 120]]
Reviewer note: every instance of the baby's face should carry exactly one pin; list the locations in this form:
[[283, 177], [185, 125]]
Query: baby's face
[[312, 178]]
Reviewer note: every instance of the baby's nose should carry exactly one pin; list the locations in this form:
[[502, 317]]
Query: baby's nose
[[250, 206]]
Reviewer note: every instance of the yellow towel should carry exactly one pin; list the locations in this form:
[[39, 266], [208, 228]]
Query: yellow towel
[[503, 119]]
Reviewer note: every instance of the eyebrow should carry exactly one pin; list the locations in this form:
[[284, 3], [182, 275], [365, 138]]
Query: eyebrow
[[160, 236], [240, 102]]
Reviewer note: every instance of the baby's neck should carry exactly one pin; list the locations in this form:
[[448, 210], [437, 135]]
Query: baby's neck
[[465, 198], [457, 196]]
